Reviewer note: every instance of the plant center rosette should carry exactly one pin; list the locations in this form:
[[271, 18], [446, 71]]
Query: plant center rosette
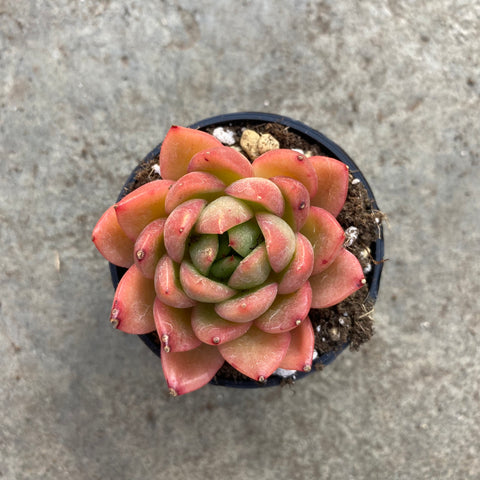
[[226, 257]]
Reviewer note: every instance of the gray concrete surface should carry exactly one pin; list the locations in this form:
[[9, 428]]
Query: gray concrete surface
[[88, 87]]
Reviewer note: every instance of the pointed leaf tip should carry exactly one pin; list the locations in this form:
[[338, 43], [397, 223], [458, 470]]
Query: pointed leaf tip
[[299, 355], [132, 309], [332, 184], [256, 354], [178, 148], [342, 278], [191, 370], [111, 241]]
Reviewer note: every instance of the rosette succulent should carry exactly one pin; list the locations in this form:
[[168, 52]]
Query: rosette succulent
[[226, 257]]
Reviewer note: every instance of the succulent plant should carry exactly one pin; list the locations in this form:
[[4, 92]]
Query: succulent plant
[[226, 257]]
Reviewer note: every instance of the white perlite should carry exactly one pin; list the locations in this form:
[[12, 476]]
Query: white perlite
[[351, 234], [156, 168], [227, 137], [281, 372]]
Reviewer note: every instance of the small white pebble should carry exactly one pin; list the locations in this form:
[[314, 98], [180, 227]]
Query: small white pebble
[[341, 321], [315, 355], [227, 137], [318, 328], [351, 234], [355, 181], [368, 268], [345, 314], [365, 253], [299, 150], [156, 169], [281, 372]]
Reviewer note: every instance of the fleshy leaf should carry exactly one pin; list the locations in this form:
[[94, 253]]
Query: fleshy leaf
[[132, 310], [167, 284], [178, 148], [224, 162], [210, 328], [193, 185], [244, 237], [343, 277], [201, 288], [261, 191], [299, 269], [256, 354], [111, 241], [189, 371], [332, 184], [252, 271], [223, 214], [299, 355], [287, 163], [279, 239], [297, 201], [140, 207], [203, 251], [149, 247], [174, 328], [248, 305], [326, 236], [223, 268], [287, 311], [179, 225]]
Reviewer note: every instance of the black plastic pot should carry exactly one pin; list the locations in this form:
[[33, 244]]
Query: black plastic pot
[[331, 149]]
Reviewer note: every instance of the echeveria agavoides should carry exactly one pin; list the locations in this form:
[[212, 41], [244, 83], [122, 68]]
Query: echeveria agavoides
[[226, 257]]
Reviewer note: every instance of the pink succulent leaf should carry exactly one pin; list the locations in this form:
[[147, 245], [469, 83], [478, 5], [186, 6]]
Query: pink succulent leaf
[[178, 148], [140, 207], [256, 354], [252, 271], [332, 184], [297, 201], [191, 370], [201, 288], [179, 225], [224, 162], [111, 241], [287, 163], [263, 193], [299, 269], [203, 252], [132, 309], [149, 248], [193, 185], [342, 278], [279, 240], [244, 237], [167, 284], [299, 355], [210, 328], [223, 214], [174, 328], [326, 236], [287, 311], [247, 305]]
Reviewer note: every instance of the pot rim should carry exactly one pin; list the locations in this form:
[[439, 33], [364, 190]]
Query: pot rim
[[333, 150]]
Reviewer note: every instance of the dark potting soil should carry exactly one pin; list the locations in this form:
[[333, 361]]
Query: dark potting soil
[[351, 321]]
